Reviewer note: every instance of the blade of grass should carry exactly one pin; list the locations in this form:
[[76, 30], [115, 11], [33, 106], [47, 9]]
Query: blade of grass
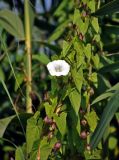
[[107, 115], [8, 94], [11, 66], [6, 52], [7, 140], [108, 8]]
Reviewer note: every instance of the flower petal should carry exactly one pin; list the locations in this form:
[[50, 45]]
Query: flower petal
[[58, 68]]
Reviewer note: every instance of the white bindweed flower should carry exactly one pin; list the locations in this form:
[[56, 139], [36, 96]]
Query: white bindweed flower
[[58, 68]]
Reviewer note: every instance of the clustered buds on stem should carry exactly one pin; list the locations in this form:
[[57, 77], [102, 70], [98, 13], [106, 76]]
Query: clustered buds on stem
[[57, 146], [52, 124]]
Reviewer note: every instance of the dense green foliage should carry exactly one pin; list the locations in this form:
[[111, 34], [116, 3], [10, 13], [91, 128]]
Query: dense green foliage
[[73, 117]]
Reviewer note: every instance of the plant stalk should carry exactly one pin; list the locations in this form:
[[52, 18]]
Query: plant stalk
[[28, 57]]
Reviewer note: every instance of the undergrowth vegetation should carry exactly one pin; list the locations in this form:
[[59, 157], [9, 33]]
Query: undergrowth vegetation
[[59, 73]]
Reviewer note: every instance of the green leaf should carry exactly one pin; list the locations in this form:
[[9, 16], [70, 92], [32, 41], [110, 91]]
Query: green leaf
[[19, 155], [95, 24], [108, 8], [92, 120], [12, 23], [96, 38], [87, 50], [4, 123], [78, 78], [32, 131], [96, 60], [114, 88], [91, 5], [80, 54], [117, 116], [78, 126], [112, 142], [62, 5], [96, 155], [8, 148], [42, 58], [102, 97], [103, 84], [75, 99], [109, 68], [82, 26], [53, 47], [93, 77], [54, 86], [49, 109], [13, 120], [106, 117], [61, 120], [33, 155], [46, 148], [2, 76], [35, 150], [107, 94], [59, 31], [66, 48], [19, 78]]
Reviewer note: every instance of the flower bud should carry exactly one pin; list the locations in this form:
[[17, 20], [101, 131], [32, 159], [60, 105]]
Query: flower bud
[[81, 37], [84, 14], [50, 135], [48, 120], [83, 135], [83, 122], [46, 96], [91, 91], [57, 146], [88, 147], [81, 111], [53, 126]]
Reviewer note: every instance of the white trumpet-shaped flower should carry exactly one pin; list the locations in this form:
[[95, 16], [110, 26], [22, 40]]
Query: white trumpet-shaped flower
[[58, 68]]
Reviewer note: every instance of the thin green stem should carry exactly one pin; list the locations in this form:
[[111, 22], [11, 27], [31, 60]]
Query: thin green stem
[[28, 57]]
